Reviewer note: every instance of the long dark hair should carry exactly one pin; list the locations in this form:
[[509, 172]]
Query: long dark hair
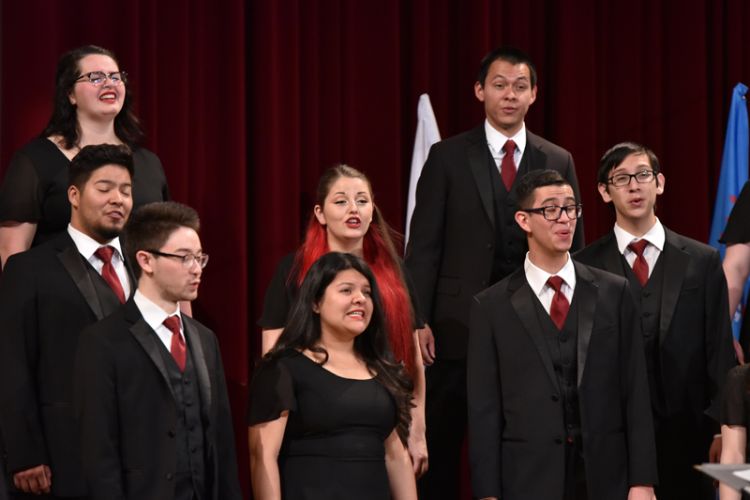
[[64, 121], [302, 331], [379, 251]]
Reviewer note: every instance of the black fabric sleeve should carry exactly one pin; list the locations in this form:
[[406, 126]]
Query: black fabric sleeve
[[737, 229], [271, 392], [279, 296], [419, 319], [19, 192], [733, 402]]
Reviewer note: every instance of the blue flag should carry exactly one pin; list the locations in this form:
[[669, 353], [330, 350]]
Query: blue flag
[[734, 171]]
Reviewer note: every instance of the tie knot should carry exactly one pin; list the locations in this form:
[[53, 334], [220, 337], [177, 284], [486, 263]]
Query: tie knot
[[638, 247], [509, 147], [555, 282], [173, 323], [105, 253]]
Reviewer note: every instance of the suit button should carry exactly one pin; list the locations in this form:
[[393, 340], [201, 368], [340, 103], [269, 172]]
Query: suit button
[[646, 294], [171, 434], [555, 398], [484, 282], [489, 246], [168, 476], [647, 315]]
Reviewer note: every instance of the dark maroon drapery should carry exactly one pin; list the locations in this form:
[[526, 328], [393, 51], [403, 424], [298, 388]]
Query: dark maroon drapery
[[247, 102]]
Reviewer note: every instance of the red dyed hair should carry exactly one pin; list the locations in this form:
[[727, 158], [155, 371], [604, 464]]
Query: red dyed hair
[[380, 254]]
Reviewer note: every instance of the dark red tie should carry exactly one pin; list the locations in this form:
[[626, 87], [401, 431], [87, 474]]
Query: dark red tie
[[508, 166], [177, 346], [108, 271], [640, 266], [558, 310]]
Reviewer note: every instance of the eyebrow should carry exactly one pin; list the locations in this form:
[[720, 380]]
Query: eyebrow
[[639, 166], [112, 183]]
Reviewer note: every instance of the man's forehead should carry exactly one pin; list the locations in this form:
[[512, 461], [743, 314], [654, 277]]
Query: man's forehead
[[509, 70], [554, 193]]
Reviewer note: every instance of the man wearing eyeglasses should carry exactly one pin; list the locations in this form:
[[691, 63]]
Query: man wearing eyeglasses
[[151, 398], [48, 295], [557, 388], [682, 293]]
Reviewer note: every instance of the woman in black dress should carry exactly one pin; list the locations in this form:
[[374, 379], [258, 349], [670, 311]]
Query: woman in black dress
[[736, 262], [329, 407], [92, 106], [735, 417]]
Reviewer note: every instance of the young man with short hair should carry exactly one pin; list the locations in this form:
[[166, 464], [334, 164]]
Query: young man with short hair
[[557, 389], [679, 286]]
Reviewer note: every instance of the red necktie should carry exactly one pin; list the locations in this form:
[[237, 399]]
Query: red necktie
[[177, 346], [508, 166], [558, 310], [108, 271], [640, 266]]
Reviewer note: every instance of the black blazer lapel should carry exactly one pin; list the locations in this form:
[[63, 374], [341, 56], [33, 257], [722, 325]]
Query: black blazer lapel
[[73, 262], [478, 156], [611, 258], [533, 156], [585, 295], [199, 361], [676, 260], [148, 339], [522, 298]]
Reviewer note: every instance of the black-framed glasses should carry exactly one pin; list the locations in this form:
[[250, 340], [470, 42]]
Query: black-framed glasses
[[642, 177], [98, 77], [554, 212], [187, 260]]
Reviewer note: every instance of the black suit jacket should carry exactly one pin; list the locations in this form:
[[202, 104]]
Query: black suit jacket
[[452, 238], [516, 426], [47, 297], [127, 412], [695, 334]]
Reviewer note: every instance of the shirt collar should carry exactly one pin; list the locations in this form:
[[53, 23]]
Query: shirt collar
[[152, 313], [496, 139], [538, 277], [655, 236], [87, 245]]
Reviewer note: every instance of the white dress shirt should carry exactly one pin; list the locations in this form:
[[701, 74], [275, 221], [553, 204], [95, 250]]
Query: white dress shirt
[[87, 246], [496, 141], [656, 236], [155, 316], [537, 279]]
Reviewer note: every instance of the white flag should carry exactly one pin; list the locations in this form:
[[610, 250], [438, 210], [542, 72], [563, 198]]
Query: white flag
[[427, 135]]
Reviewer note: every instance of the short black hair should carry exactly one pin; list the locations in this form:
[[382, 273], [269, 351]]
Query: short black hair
[[617, 154], [92, 158], [508, 54], [150, 226], [534, 180]]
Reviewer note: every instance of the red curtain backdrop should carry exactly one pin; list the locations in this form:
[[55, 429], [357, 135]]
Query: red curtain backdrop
[[246, 103]]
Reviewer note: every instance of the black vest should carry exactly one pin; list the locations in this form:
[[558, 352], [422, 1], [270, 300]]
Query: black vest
[[563, 349], [189, 438], [510, 241], [648, 299]]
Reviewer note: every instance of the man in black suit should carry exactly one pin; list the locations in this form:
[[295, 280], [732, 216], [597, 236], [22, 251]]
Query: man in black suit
[[464, 239], [47, 296], [151, 398], [557, 389], [680, 287]]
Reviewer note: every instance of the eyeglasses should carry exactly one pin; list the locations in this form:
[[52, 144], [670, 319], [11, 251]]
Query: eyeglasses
[[622, 180], [553, 212], [98, 77], [187, 260]]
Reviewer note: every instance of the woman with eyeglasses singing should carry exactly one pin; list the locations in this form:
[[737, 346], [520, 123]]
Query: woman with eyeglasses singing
[[92, 106], [346, 219]]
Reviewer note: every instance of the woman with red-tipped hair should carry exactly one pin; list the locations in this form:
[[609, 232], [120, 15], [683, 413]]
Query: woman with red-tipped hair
[[346, 219]]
